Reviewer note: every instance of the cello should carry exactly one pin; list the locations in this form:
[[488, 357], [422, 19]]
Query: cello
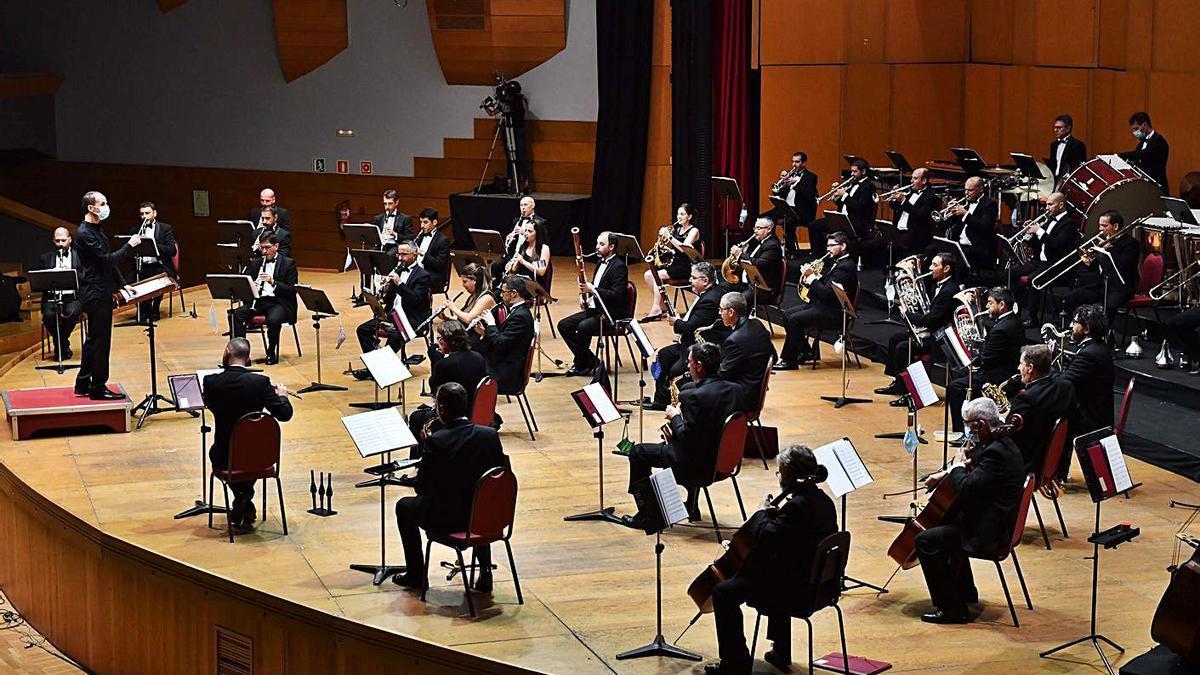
[[1177, 619]]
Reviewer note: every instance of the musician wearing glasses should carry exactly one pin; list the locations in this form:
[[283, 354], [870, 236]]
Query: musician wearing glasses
[[989, 482], [505, 346], [672, 358], [912, 212], [1043, 399], [148, 266], [904, 344], [973, 225], [746, 351], [1151, 152], [1051, 237], [797, 187], [516, 236], [276, 278], [1066, 151], [1109, 273], [407, 289], [997, 358], [765, 253], [823, 309], [457, 364]]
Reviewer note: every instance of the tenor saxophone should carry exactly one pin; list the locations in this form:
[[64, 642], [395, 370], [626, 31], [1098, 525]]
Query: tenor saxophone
[[665, 429]]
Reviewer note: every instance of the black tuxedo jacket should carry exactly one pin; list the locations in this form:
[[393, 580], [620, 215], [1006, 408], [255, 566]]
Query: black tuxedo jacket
[[1150, 156], [1091, 373], [164, 239], [283, 219], [1074, 155], [506, 347], [436, 260], [920, 221], [1001, 350], [414, 296], [1125, 252], [696, 431], [466, 368], [745, 354], [286, 279], [47, 263], [786, 542], [234, 392], [860, 207], [844, 272], [403, 225], [613, 289], [981, 230], [1063, 239], [1040, 405], [511, 246], [941, 307], [768, 258], [805, 202], [283, 234], [98, 276], [703, 313], [989, 496], [452, 461]]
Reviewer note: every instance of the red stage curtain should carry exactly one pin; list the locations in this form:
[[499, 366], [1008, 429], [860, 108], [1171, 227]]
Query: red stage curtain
[[731, 154]]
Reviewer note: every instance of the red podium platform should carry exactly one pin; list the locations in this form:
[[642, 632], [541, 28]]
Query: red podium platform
[[32, 410]]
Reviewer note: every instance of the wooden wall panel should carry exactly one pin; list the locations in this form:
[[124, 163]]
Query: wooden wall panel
[[1114, 96], [1113, 39], [982, 99], [1055, 91], [804, 99], [1065, 33], [992, 31], [927, 31], [656, 191], [1176, 27], [927, 116], [1172, 101], [866, 36], [1139, 43], [308, 33], [801, 33], [475, 40], [866, 130]]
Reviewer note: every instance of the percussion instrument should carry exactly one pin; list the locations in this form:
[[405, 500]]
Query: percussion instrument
[[1109, 182]]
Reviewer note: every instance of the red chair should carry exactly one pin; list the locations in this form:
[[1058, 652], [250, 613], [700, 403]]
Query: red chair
[[483, 410], [998, 556], [1126, 403], [253, 455], [776, 301], [1151, 275], [178, 278], [1054, 453], [522, 399], [492, 511], [730, 449], [621, 330], [754, 415], [258, 324]]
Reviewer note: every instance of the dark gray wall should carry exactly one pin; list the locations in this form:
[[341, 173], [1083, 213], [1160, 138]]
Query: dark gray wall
[[201, 85], [27, 123], [23, 242]]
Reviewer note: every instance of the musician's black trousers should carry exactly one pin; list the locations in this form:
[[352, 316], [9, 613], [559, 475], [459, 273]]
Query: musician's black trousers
[[368, 336], [672, 362], [947, 568], [956, 393], [269, 307], [577, 331], [1094, 294], [728, 598], [645, 456], [410, 514], [1181, 328], [898, 352], [799, 319], [71, 309], [93, 365]]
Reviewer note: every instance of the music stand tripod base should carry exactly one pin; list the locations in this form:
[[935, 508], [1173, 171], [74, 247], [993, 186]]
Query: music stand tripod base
[[659, 647], [605, 514]]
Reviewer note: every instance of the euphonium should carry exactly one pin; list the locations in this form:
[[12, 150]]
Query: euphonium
[[965, 314], [911, 292], [666, 428], [728, 273]]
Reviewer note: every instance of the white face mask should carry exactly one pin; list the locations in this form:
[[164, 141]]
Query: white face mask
[[103, 212]]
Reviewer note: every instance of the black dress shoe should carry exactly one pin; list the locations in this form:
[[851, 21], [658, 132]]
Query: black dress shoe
[[483, 583], [68, 355], [361, 374], [81, 392], [651, 319], [106, 395], [893, 389], [901, 402], [407, 481], [414, 360], [939, 616], [654, 405], [713, 668], [693, 511], [635, 522], [410, 580], [578, 372], [272, 360], [249, 516], [786, 365], [779, 660]]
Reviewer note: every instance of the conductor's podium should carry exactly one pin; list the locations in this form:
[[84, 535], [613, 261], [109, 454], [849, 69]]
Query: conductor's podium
[[42, 408]]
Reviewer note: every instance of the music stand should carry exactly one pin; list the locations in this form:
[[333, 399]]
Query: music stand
[[626, 246], [847, 473], [316, 301], [233, 256], [1107, 476], [900, 162], [488, 244], [597, 409], [52, 281], [970, 161], [957, 249], [232, 287], [461, 259], [386, 369], [366, 235], [236, 231], [756, 281], [847, 312], [188, 391], [146, 248], [1027, 165], [727, 189]]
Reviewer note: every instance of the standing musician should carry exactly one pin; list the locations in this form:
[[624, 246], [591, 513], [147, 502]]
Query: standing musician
[[609, 284], [1066, 151], [1052, 239], [774, 578], [997, 359], [512, 241], [989, 495], [902, 344], [148, 266], [1099, 281], [454, 459], [973, 225], [407, 289], [457, 364], [673, 358], [268, 223], [60, 324], [394, 225], [823, 310], [1044, 400], [1090, 371], [480, 300], [856, 200], [267, 198], [673, 238], [230, 394], [531, 259], [695, 423], [912, 213], [746, 352], [1151, 152], [276, 276], [505, 346], [765, 253], [98, 278], [433, 250], [798, 188]]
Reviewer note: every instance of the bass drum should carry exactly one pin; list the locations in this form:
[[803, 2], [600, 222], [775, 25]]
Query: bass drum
[[1108, 182]]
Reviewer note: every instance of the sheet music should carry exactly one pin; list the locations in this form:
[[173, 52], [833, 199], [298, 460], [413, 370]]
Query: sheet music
[[667, 490], [385, 367], [377, 431], [643, 341], [926, 395], [604, 405], [1116, 463], [186, 390], [847, 472], [147, 287]]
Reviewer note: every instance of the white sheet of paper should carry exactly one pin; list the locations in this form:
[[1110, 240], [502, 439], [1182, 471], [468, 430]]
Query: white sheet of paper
[[847, 472], [604, 405], [377, 431], [667, 489], [920, 379], [644, 345], [201, 374], [1116, 462], [385, 367]]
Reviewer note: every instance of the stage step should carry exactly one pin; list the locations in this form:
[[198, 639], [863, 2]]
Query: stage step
[[542, 130], [540, 151]]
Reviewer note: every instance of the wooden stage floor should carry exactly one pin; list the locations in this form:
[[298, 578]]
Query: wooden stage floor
[[589, 587]]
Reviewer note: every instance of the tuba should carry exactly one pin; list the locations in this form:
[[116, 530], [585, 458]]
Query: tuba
[[909, 289], [968, 309]]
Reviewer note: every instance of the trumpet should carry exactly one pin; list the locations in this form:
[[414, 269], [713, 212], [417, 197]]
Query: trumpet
[[728, 273], [837, 187], [1020, 240], [782, 182], [1177, 282], [948, 212], [895, 192], [1082, 254]]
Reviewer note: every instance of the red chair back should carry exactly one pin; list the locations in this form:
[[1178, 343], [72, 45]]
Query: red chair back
[[731, 446], [1151, 273], [1054, 452], [254, 445], [630, 300], [175, 260], [493, 507], [752, 415], [528, 363], [501, 312], [1126, 401], [484, 408], [1022, 513]]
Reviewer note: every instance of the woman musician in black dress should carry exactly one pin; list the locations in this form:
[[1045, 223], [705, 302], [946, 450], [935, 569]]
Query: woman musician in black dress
[[672, 238], [480, 300], [532, 257]]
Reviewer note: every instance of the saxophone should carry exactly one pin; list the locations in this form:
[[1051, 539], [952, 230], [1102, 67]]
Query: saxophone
[[665, 429], [697, 338]]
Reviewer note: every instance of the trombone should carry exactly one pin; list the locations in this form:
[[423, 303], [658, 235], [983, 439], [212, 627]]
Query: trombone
[[1177, 282], [837, 187], [1084, 253]]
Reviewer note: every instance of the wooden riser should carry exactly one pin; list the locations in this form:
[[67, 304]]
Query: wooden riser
[[543, 130], [541, 151]]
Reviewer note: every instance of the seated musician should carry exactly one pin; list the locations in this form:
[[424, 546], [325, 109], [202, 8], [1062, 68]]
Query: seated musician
[[765, 253], [433, 250], [695, 423], [998, 357], [677, 263], [746, 352], [517, 236], [1111, 281], [608, 290], [1182, 331], [989, 483], [268, 223], [774, 578], [455, 457], [407, 289], [903, 345], [1044, 399], [1090, 372], [394, 225], [276, 277], [480, 300], [798, 189], [912, 213], [458, 364], [973, 225], [823, 310], [229, 394], [531, 259], [59, 324], [673, 358], [505, 346], [1055, 236]]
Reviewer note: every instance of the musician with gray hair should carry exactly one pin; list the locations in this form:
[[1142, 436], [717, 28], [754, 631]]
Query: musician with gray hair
[[903, 345], [672, 358]]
